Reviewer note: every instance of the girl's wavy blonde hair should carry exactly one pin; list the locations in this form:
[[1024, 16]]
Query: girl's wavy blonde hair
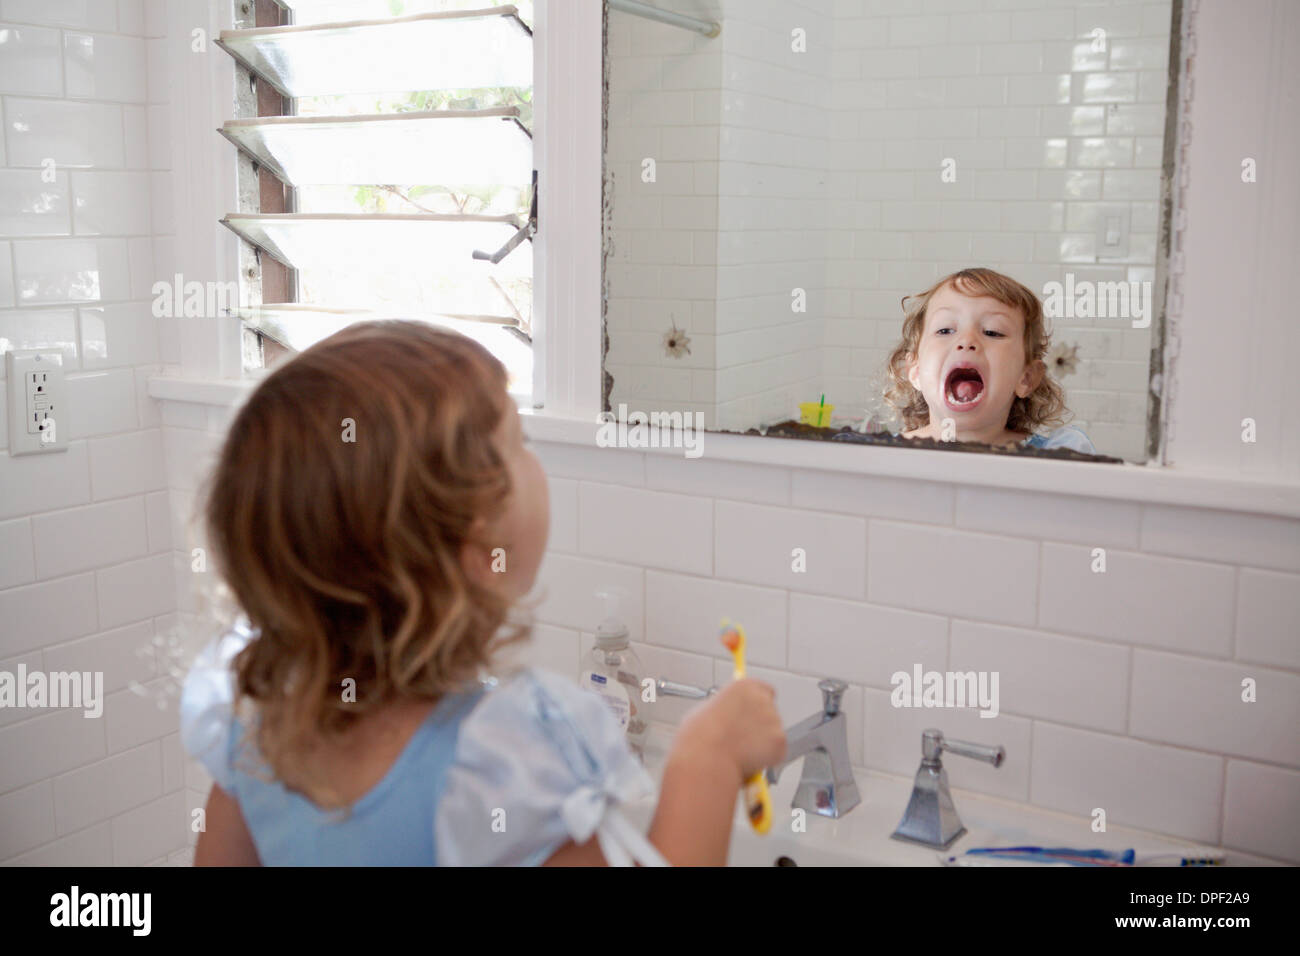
[[345, 554], [1045, 405]]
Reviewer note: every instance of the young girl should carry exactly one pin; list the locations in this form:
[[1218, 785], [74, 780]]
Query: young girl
[[376, 513], [970, 366]]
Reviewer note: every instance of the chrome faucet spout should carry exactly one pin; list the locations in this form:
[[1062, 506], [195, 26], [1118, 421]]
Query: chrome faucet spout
[[826, 785]]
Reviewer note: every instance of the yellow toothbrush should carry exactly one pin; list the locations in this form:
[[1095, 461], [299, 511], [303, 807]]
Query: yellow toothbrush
[[758, 801]]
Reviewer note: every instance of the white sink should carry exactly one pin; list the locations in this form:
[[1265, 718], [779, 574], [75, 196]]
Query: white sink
[[862, 836]]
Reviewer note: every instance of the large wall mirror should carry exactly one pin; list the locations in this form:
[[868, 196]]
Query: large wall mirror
[[775, 192]]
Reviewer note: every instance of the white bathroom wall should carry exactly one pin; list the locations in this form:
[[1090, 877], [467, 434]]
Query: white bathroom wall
[[1235, 336], [86, 579], [1120, 690]]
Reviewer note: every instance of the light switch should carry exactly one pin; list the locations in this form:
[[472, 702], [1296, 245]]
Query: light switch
[[1112, 232]]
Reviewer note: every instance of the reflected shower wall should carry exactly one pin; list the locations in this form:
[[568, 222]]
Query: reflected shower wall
[[725, 238]]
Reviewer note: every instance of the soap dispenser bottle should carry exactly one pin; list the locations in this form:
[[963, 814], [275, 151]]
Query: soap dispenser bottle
[[614, 671]]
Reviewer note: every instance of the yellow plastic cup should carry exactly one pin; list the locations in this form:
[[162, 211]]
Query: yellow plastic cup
[[816, 414]]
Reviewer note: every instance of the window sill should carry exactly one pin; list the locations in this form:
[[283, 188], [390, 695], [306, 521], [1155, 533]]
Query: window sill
[[1153, 484], [223, 393], [1128, 482], [228, 392]]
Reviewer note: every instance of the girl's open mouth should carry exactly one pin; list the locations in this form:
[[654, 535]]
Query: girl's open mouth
[[963, 389]]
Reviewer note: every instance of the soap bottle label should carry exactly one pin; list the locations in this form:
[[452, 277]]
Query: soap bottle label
[[614, 695]]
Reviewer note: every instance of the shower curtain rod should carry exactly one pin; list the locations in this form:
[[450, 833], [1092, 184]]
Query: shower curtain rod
[[707, 28]]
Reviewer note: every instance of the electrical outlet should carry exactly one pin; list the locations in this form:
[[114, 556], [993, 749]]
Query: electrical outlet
[[38, 408]]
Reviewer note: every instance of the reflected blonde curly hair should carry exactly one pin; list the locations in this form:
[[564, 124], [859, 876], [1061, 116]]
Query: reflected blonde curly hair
[[1045, 405]]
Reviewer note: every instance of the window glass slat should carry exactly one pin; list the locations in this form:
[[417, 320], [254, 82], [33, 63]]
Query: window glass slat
[[432, 51], [471, 147], [380, 242], [307, 12], [298, 327]]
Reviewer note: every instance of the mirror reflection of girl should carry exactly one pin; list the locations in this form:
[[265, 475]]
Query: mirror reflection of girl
[[970, 367], [346, 721]]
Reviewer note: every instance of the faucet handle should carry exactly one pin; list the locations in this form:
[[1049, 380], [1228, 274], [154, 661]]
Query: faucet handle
[[674, 688], [832, 692], [933, 744]]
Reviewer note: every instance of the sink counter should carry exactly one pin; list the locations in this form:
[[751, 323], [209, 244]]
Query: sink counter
[[862, 836]]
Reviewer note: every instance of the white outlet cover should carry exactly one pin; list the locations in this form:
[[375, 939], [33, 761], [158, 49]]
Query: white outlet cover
[[48, 415]]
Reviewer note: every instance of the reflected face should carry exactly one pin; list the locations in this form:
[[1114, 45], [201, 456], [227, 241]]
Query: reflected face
[[522, 526], [970, 363]]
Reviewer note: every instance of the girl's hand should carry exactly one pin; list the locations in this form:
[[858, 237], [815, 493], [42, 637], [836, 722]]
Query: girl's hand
[[739, 725]]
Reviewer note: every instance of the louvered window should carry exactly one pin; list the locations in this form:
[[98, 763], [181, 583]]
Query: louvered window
[[388, 170]]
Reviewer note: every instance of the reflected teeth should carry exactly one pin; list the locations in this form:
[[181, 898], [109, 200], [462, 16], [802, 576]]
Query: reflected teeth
[[952, 378]]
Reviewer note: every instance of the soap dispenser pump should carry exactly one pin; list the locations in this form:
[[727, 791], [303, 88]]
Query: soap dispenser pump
[[613, 671]]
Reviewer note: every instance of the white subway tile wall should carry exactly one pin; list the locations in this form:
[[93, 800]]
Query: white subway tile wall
[[1139, 689], [86, 580], [824, 170]]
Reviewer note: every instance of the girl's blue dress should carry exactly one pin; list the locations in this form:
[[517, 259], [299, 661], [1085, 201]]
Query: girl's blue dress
[[1067, 436], [501, 772]]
